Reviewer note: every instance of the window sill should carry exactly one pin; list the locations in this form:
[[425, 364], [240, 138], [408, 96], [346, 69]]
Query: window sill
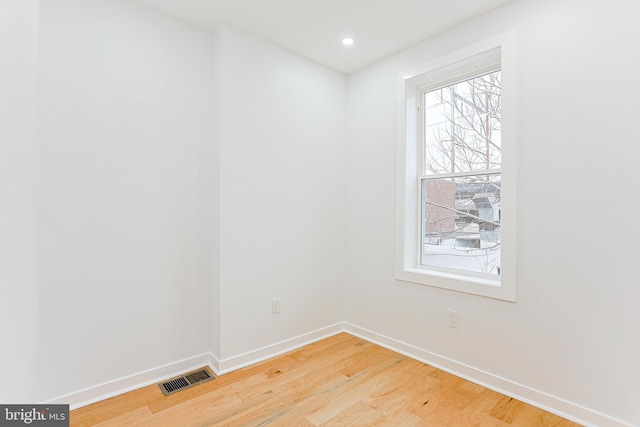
[[491, 288]]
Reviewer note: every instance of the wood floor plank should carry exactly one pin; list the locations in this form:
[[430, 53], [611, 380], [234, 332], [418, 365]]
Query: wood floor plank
[[338, 381], [283, 377], [438, 402], [111, 408], [324, 398], [507, 409], [296, 386], [493, 422], [210, 413], [131, 418], [407, 394], [368, 382], [354, 415]]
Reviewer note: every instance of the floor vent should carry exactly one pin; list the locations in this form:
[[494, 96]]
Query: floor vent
[[185, 381]]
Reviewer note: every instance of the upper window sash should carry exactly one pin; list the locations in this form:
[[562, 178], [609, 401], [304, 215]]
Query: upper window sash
[[489, 63]]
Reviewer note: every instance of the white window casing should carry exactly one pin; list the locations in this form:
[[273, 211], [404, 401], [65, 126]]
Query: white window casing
[[498, 52]]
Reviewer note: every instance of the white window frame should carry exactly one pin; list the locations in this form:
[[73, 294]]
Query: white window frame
[[462, 64]]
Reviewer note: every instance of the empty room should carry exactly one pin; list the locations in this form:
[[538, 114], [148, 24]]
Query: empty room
[[356, 212]]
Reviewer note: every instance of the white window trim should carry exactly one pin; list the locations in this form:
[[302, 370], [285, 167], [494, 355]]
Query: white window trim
[[449, 68]]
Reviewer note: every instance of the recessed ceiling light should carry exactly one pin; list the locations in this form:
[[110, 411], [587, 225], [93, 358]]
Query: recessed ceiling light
[[348, 41]]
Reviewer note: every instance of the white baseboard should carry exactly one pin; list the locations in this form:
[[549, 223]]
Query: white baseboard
[[122, 385], [507, 387], [240, 361], [539, 399]]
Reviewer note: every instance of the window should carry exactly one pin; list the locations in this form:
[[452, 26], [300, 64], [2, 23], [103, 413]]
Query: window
[[460, 176], [456, 171]]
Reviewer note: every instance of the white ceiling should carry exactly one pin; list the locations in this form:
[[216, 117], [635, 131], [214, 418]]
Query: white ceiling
[[314, 28]]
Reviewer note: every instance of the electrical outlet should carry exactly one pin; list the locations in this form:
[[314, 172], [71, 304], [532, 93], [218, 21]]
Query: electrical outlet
[[454, 319], [275, 306]]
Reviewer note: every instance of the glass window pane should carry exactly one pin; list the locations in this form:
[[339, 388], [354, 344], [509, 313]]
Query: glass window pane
[[461, 223], [462, 126]]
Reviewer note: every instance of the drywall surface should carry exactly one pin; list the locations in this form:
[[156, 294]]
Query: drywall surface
[[281, 194], [18, 200], [572, 331], [124, 111], [209, 199]]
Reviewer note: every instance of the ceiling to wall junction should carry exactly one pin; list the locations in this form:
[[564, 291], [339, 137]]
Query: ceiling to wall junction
[[314, 28]]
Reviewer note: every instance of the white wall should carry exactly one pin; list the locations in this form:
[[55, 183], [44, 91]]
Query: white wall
[[281, 194], [124, 110], [573, 331], [186, 180], [209, 199], [18, 200]]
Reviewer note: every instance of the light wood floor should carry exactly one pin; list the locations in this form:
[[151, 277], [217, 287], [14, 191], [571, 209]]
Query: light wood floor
[[339, 381]]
